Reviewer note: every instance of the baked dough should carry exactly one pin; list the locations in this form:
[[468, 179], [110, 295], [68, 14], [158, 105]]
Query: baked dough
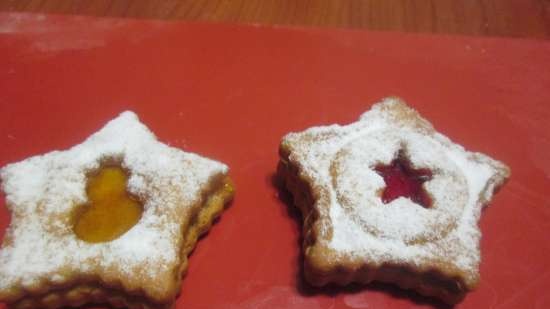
[[45, 264], [352, 233]]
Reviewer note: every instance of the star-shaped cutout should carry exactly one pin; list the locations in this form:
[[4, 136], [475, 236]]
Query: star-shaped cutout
[[360, 202], [403, 180], [140, 265]]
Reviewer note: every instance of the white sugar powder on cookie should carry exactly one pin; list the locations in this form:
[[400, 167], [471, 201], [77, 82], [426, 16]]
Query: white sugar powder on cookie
[[339, 162], [42, 191]]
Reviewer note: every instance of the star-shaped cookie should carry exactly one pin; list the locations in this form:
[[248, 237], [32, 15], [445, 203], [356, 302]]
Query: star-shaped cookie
[[62, 250], [360, 190]]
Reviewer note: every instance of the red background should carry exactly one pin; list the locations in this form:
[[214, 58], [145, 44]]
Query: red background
[[231, 92]]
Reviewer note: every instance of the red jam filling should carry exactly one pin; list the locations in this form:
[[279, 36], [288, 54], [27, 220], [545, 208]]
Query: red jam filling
[[403, 180]]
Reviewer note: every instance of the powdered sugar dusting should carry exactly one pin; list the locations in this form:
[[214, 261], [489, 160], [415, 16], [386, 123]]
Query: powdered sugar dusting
[[42, 191], [340, 161]]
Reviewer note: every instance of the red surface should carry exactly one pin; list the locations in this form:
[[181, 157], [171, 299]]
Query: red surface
[[231, 92]]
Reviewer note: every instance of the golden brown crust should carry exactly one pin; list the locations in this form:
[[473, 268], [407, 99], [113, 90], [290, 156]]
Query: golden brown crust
[[214, 204], [81, 291]]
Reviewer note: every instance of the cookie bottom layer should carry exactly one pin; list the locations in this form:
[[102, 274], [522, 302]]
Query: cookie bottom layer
[[85, 293], [432, 283]]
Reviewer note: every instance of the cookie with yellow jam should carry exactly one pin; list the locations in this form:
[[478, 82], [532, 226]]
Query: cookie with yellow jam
[[388, 198], [110, 220]]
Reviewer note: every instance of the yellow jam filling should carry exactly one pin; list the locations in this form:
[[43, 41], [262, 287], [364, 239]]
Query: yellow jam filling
[[111, 210]]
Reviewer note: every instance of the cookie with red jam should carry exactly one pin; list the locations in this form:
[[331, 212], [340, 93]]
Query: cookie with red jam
[[390, 199]]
